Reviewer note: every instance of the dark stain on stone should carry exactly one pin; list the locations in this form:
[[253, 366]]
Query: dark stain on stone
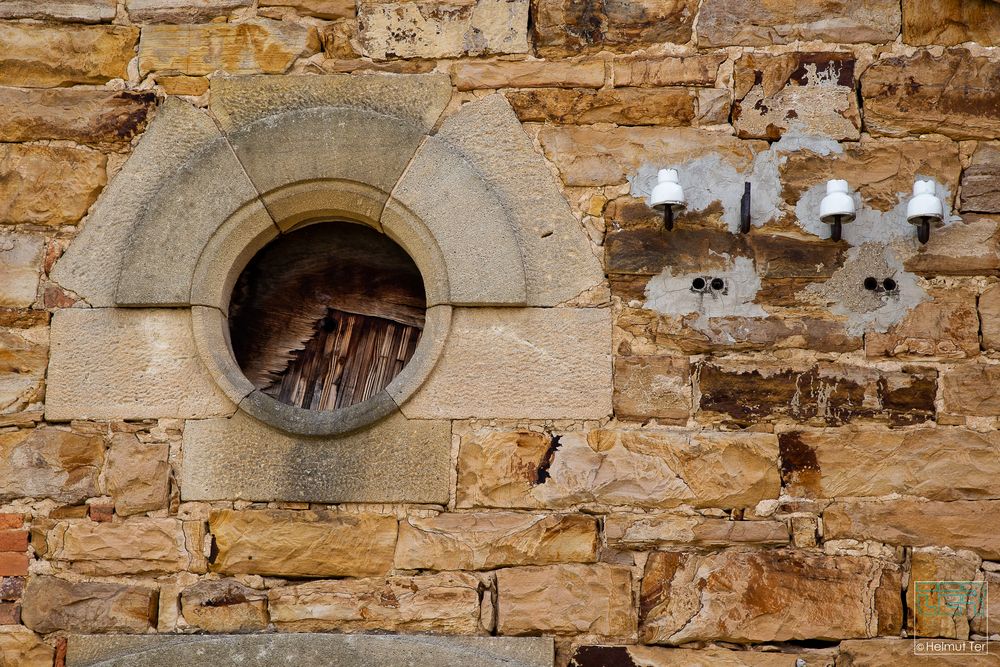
[[796, 456], [841, 63], [602, 656], [133, 114], [546, 462]]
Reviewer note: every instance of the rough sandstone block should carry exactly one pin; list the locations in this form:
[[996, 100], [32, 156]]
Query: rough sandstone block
[[443, 603], [180, 11], [954, 93], [23, 359], [565, 600], [825, 464], [674, 107], [899, 653], [136, 546], [52, 604], [280, 650], [654, 656], [20, 267], [989, 317], [972, 389], [394, 29], [48, 185], [649, 531], [324, 9], [128, 364], [825, 394], [642, 468], [497, 539], [981, 179], [82, 115], [138, 475], [951, 22], [946, 327], [550, 363], [765, 596], [479, 74], [936, 566], [224, 606], [969, 247], [253, 47], [20, 647], [83, 11], [302, 543], [395, 460], [810, 92], [762, 23], [85, 54], [652, 387], [909, 522], [699, 70], [49, 463], [566, 28]]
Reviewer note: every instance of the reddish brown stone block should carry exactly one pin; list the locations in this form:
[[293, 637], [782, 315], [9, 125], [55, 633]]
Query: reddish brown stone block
[[11, 520], [13, 564], [10, 613], [13, 540], [11, 588]]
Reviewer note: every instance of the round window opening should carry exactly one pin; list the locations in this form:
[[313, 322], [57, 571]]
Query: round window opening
[[325, 317]]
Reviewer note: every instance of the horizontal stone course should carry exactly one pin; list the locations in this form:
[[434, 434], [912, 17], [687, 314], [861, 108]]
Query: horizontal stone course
[[85, 54], [50, 463], [83, 11], [48, 185], [52, 604], [649, 531], [83, 115], [565, 27], [302, 543], [762, 23]]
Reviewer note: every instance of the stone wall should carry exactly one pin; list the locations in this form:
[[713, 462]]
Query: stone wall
[[757, 482]]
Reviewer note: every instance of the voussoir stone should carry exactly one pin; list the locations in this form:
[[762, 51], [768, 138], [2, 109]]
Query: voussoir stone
[[765, 596], [84, 115], [762, 23], [252, 47], [50, 463], [490, 540], [565, 27], [180, 11], [51, 604], [48, 185], [92, 265], [395, 29], [20, 647], [909, 522], [20, 268], [138, 545], [559, 263], [224, 605], [479, 74], [546, 362], [395, 460], [83, 11], [45, 56], [302, 543], [644, 531], [952, 94], [565, 599], [444, 603], [128, 364], [824, 464], [811, 92], [308, 650], [642, 468]]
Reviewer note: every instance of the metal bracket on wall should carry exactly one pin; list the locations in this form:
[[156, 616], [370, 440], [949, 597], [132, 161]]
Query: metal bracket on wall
[[745, 209]]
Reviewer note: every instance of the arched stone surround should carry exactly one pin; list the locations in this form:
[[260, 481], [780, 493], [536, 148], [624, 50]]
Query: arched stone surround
[[472, 203]]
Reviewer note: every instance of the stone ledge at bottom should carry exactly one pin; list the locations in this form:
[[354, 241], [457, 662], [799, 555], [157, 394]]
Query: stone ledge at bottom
[[307, 650]]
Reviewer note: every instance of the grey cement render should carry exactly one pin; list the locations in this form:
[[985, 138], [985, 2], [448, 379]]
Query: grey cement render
[[394, 460], [307, 650]]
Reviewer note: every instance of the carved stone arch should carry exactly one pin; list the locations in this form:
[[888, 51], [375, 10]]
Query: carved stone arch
[[471, 202]]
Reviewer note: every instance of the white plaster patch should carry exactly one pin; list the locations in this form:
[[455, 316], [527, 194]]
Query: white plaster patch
[[668, 294], [711, 179], [867, 309]]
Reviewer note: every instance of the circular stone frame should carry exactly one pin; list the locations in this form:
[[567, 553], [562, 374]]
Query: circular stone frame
[[246, 232]]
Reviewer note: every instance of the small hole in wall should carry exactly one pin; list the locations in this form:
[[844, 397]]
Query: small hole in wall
[[871, 283], [698, 284], [889, 285], [327, 315], [718, 284]]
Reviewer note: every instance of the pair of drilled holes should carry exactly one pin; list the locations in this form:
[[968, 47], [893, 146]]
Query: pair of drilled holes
[[708, 284], [872, 284]]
